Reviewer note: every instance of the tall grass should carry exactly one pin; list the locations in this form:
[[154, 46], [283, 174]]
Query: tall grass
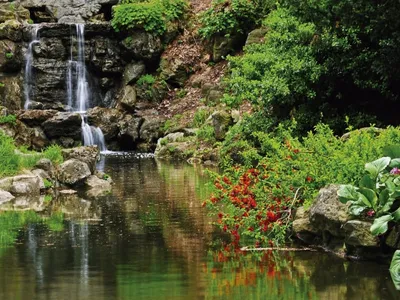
[[11, 162]]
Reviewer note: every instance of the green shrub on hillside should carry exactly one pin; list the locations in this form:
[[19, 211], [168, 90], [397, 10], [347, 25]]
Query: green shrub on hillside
[[152, 15], [227, 17]]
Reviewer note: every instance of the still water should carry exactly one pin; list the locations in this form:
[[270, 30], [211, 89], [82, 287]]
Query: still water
[[150, 239]]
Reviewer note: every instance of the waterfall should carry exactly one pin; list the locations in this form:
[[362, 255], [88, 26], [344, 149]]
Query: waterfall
[[28, 78], [78, 92]]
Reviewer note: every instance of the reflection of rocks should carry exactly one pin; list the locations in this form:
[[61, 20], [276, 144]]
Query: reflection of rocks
[[97, 187], [26, 202], [76, 208], [5, 197]]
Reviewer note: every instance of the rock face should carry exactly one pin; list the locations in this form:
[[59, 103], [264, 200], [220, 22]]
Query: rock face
[[73, 171], [143, 45], [63, 124], [66, 11], [328, 213]]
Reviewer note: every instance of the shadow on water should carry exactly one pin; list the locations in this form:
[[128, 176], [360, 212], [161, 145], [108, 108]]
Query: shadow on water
[[150, 239]]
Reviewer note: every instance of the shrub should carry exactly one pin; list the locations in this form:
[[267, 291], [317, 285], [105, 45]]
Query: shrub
[[226, 17], [147, 79], [54, 153], [151, 15], [9, 119]]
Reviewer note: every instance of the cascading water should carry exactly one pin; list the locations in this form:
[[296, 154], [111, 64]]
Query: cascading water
[[78, 91], [29, 79]]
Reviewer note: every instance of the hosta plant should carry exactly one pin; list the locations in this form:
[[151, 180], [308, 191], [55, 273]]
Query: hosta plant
[[378, 194]]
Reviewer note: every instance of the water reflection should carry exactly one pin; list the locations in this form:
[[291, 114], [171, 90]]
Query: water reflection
[[150, 239]]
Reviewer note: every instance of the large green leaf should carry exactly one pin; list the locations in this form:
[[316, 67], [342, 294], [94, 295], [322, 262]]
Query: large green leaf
[[356, 208], [393, 151], [395, 269], [396, 215], [347, 192], [377, 166], [380, 225], [370, 198], [384, 197], [367, 182], [395, 163]]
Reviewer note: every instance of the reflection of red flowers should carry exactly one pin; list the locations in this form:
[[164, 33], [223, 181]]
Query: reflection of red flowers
[[220, 215]]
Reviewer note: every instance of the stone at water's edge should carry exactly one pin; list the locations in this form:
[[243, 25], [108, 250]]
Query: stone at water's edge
[[25, 184], [86, 154], [73, 171], [328, 213], [358, 234]]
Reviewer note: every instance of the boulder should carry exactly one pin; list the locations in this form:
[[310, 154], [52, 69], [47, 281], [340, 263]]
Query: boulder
[[39, 141], [63, 124], [221, 121], [151, 129], [174, 71], [357, 233], [36, 117], [133, 71], [46, 165], [26, 184], [129, 130], [143, 45], [301, 223], [105, 56], [256, 36], [73, 171], [5, 197], [86, 154], [328, 214], [128, 98], [107, 120]]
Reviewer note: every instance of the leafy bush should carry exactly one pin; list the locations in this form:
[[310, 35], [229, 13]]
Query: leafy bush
[[9, 119], [151, 15], [206, 133], [227, 17], [254, 200], [147, 79], [200, 117]]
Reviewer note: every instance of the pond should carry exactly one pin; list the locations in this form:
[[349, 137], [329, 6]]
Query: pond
[[151, 239]]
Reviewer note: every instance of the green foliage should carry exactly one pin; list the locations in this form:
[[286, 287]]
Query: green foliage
[[9, 119], [226, 17], [206, 133], [395, 269], [10, 221], [47, 183], [152, 15], [9, 55], [147, 79], [321, 60], [12, 160], [54, 153], [2, 84], [200, 117], [290, 172], [378, 193]]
